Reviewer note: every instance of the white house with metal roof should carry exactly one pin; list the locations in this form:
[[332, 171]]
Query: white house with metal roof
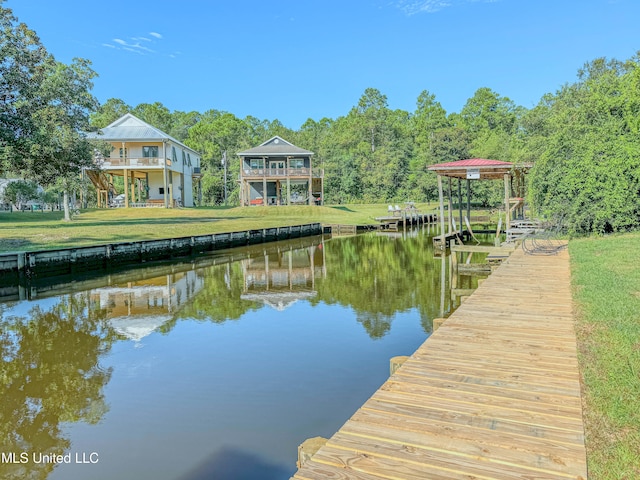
[[157, 168], [279, 173]]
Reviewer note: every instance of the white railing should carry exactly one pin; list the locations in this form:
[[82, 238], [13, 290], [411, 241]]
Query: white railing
[[132, 162], [282, 172]]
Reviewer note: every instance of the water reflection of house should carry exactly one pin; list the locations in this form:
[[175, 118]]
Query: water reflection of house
[[137, 308], [279, 279]]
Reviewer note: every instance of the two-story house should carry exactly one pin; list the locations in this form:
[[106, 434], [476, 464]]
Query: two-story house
[[279, 173], [157, 168]]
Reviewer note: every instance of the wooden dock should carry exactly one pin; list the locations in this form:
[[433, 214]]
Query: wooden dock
[[403, 219], [494, 393], [442, 242]]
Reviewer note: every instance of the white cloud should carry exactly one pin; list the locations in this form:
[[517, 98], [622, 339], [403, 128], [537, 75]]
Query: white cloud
[[155, 34], [129, 49], [142, 47], [134, 44], [411, 7]]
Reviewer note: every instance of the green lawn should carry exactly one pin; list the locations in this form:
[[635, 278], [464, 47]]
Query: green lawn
[[25, 231], [606, 283]]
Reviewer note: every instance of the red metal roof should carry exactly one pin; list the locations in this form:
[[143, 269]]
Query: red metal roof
[[472, 163]]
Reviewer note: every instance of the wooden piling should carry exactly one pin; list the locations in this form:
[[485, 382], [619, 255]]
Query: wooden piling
[[308, 449], [437, 322], [396, 362]]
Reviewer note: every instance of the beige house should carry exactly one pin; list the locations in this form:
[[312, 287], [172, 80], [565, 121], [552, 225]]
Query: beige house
[[157, 169]]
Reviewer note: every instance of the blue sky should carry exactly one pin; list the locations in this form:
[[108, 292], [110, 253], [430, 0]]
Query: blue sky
[[296, 59]]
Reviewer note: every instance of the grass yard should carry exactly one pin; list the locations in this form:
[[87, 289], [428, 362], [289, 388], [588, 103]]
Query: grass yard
[[606, 283], [28, 231]]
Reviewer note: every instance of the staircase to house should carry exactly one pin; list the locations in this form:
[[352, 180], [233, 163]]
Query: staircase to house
[[104, 188], [101, 181]]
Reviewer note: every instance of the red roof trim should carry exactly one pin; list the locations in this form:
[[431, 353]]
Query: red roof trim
[[471, 163]]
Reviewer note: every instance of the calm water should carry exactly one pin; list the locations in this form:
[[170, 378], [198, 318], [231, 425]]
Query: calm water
[[213, 369]]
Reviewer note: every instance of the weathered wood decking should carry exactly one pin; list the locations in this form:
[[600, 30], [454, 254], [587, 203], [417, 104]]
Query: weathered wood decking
[[494, 393]]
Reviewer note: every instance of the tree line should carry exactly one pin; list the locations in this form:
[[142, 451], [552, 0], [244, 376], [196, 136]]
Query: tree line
[[583, 140]]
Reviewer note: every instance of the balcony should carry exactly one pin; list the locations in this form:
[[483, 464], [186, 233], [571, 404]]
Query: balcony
[[282, 172], [117, 162]]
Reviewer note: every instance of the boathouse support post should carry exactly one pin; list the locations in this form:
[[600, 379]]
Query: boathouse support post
[[450, 213], [443, 277], [460, 205], [507, 216], [441, 197], [469, 200]]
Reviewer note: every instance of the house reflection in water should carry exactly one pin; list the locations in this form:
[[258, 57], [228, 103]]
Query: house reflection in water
[[138, 308], [279, 279]]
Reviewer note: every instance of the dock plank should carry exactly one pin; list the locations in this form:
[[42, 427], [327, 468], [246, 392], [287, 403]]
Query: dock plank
[[494, 393]]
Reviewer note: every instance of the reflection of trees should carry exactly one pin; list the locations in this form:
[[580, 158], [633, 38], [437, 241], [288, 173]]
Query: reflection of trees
[[378, 276], [50, 374], [377, 325]]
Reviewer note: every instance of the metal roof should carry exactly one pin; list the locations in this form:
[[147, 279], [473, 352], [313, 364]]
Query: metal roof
[[275, 146], [130, 128], [473, 163], [486, 169]]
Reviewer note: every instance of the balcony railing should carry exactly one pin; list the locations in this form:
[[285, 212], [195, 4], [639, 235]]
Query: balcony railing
[[117, 162], [132, 162], [282, 172]]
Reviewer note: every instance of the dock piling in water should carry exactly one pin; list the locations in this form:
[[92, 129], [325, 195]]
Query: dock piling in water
[[308, 449], [396, 362]]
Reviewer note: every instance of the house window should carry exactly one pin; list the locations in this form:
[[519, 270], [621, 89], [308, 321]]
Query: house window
[[123, 152], [188, 159], [257, 163], [150, 152], [296, 163], [161, 190], [184, 158]]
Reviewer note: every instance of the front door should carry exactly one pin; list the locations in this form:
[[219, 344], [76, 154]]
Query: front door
[[277, 165]]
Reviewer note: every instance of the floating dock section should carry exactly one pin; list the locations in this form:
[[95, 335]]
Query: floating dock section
[[494, 393]]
